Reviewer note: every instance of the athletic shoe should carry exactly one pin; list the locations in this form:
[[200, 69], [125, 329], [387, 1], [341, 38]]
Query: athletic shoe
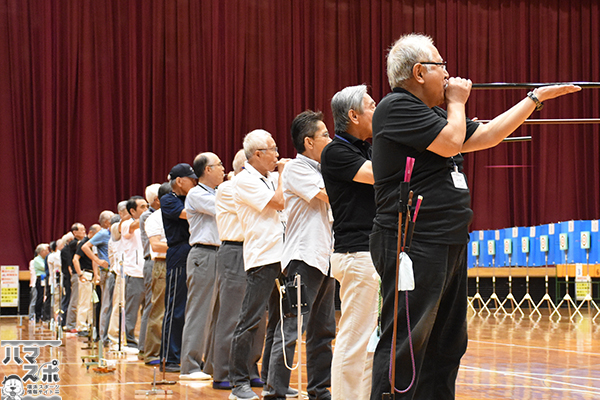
[[195, 376], [243, 392], [256, 382], [170, 367], [291, 393], [222, 385]]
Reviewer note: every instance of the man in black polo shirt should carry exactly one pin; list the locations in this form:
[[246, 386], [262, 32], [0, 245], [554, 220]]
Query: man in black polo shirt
[[409, 123], [348, 176]]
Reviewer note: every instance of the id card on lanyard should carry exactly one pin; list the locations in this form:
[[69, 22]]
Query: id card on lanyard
[[458, 177]]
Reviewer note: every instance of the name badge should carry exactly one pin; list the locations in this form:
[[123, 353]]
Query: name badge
[[459, 180]]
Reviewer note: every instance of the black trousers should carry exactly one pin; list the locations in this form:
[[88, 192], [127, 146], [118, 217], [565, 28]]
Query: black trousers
[[39, 299], [438, 311], [319, 325], [66, 296]]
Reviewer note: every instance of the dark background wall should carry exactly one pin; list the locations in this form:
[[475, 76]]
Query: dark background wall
[[99, 98]]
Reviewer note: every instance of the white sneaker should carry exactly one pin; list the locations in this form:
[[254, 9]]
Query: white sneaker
[[195, 376], [130, 350]]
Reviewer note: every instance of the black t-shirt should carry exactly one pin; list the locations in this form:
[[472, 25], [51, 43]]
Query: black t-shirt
[[66, 256], [84, 261], [352, 203], [403, 126]]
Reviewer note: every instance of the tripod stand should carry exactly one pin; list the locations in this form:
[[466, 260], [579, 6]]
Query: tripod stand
[[567, 297], [527, 298], [588, 296]]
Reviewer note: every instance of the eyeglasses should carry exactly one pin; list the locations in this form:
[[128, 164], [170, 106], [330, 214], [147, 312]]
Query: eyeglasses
[[442, 64], [220, 164], [324, 134], [270, 148]]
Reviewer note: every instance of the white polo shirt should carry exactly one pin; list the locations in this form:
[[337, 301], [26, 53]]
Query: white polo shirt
[[200, 211], [228, 222], [154, 227], [263, 230], [133, 250], [308, 235], [115, 254], [54, 262]]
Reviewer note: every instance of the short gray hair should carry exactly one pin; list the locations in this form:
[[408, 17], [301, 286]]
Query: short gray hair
[[404, 54], [40, 247], [105, 215], [238, 161], [152, 192], [349, 98], [255, 140], [122, 206]]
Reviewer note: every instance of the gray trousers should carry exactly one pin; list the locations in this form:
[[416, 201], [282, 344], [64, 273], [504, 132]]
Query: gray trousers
[[32, 300], [201, 275], [157, 312], [231, 281], [148, 264], [319, 325], [107, 304], [134, 300], [72, 312]]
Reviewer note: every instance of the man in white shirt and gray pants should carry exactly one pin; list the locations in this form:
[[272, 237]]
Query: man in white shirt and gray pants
[[201, 267]]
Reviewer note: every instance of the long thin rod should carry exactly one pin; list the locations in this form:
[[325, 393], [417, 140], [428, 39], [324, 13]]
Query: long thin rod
[[504, 85], [565, 121]]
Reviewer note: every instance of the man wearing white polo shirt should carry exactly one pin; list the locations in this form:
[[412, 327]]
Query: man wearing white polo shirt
[[133, 265], [231, 281], [158, 252], [258, 200], [306, 252], [201, 265]]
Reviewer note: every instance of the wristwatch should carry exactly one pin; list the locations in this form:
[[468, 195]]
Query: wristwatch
[[538, 104]]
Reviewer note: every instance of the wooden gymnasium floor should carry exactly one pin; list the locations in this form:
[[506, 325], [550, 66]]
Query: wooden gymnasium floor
[[507, 358]]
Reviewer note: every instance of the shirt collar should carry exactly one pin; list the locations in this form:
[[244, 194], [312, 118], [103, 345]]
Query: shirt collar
[[349, 137], [362, 145], [208, 188], [253, 171], [307, 160]]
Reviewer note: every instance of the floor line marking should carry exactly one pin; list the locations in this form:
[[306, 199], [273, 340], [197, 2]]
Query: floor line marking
[[497, 385], [535, 347], [519, 375]]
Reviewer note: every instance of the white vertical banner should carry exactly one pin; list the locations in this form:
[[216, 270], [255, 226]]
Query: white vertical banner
[[9, 280]]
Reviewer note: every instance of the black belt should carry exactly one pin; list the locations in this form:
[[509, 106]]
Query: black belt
[[233, 242], [206, 246]]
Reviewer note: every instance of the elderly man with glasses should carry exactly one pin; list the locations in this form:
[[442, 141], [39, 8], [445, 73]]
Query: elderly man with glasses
[[409, 123], [258, 196]]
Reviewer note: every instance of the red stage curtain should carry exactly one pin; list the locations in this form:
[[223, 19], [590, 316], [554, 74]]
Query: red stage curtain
[[99, 98]]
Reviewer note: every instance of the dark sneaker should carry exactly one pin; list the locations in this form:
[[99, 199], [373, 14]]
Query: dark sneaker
[[222, 385]]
